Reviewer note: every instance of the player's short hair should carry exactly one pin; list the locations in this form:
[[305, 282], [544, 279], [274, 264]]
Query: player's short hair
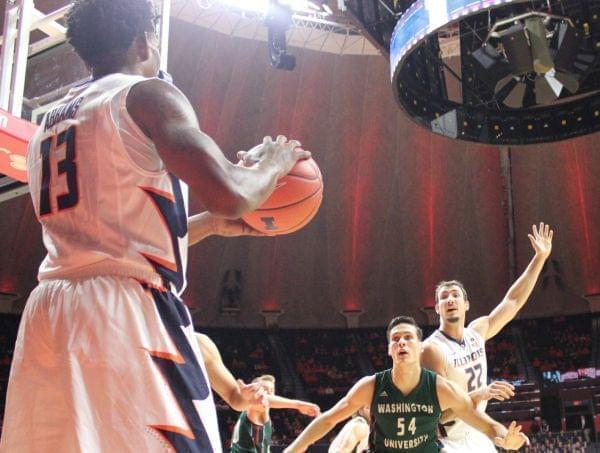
[[404, 320], [98, 29], [449, 283], [264, 378]]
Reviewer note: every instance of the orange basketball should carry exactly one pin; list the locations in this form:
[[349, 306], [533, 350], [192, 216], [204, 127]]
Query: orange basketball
[[294, 202]]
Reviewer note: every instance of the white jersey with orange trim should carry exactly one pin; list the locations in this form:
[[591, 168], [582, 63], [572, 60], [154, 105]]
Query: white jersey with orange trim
[[466, 363], [90, 165], [106, 358]]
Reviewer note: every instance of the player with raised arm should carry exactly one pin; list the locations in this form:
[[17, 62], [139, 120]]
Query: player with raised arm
[[458, 352]]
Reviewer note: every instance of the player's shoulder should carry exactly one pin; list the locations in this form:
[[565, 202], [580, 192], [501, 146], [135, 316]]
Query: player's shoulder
[[477, 327], [436, 337], [369, 380], [363, 389], [434, 347]]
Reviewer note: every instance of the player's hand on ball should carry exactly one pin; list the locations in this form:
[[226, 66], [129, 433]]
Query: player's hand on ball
[[498, 390], [281, 153], [514, 438], [541, 239]]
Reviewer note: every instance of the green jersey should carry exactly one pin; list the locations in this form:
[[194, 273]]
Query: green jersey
[[248, 437], [404, 423]]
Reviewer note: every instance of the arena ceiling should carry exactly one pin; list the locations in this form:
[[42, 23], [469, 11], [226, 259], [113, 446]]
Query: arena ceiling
[[402, 208]]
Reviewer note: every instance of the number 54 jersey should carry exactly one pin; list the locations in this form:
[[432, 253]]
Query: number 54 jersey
[[466, 363], [102, 194]]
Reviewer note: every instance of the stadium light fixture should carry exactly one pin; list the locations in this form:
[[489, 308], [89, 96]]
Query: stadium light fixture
[[262, 6]]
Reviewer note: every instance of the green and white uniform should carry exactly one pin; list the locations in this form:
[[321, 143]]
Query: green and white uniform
[[405, 423], [248, 437]]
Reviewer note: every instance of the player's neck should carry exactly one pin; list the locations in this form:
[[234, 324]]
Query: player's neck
[[258, 416], [104, 70], [455, 330], [406, 377]]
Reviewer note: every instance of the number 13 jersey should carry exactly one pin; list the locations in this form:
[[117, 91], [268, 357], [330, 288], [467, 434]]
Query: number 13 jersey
[[106, 203]]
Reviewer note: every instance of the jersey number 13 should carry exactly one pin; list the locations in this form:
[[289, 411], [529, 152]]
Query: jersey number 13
[[66, 166]]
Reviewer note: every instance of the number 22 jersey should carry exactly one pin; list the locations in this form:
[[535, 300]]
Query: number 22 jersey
[[466, 359]]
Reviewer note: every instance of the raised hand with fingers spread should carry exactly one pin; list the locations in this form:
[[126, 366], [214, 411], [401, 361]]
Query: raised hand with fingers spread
[[541, 239]]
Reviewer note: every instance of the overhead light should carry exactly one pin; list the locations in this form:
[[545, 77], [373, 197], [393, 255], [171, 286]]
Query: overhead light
[[540, 50], [516, 47], [278, 20], [262, 6]]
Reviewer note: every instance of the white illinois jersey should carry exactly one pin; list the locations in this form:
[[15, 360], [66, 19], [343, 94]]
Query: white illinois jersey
[[105, 201], [467, 366]]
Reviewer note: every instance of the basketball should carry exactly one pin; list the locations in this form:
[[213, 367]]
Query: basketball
[[293, 203]]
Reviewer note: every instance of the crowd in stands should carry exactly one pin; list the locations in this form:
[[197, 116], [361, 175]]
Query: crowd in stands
[[325, 361], [563, 442], [561, 344], [503, 358], [246, 354]]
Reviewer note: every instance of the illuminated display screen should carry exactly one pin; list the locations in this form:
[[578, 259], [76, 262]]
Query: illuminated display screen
[[427, 16]]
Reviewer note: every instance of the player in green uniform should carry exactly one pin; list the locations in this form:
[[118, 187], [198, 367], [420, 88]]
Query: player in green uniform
[[253, 430], [406, 402]]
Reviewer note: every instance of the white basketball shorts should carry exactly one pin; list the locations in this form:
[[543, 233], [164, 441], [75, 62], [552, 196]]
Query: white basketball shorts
[[107, 364]]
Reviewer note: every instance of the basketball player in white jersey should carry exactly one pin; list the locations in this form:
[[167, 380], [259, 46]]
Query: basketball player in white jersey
[[354, 436], [106, 359], [458, 352]]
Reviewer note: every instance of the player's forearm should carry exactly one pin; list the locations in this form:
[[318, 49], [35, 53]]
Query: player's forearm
[[521, 289], [476, 397], [254, 184], [483, 423], [318, 428], [281, 402], [200, 226]]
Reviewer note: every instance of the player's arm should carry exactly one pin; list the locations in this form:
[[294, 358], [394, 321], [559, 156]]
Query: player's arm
[[519, 292], [350, 436], [205, 224], [238, 395], [304, 407], [166, 116], [361, 394], [433, 359], [452, 397]]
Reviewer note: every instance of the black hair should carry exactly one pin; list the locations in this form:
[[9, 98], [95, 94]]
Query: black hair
[[98, 29], [404, 320]]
